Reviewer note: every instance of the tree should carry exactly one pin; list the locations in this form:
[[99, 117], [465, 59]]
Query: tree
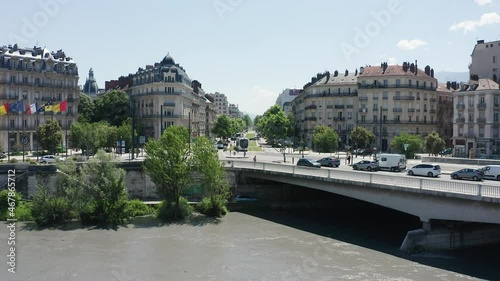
[[248, 121], [169, 165], [223, 127], [274, 125], [414, 144], [50, 135], [213, 176], [104, 182], [325, 139], [361, 137], [433, 143], [86, 108], [113, 107]]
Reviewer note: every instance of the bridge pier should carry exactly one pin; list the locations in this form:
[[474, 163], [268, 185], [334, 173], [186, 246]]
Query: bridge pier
[[449, 236]]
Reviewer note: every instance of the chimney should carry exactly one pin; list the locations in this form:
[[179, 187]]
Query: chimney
[[432, 72], [448, 85], [346, 72], [480, 41], [336, 73]]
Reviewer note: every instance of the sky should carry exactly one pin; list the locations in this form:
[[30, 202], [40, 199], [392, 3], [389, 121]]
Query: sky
[[251, 50]]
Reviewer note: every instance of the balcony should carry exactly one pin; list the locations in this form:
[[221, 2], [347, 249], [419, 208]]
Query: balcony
[[339, 106], [350, 106], [338, 118], [411, 109], [481, 120], [312, 106], [363, 98], [460, 120], [460, 106], [403, 98], [169, 104], [330, 106], [363, 110], [385, 109], [397, 110], [433, 99], [481, 106], [311, 118]]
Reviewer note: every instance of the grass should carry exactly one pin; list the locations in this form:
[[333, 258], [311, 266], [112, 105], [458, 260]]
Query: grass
[[250, 135]]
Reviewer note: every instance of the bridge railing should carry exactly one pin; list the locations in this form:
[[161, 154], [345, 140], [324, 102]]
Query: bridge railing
[[431, 184]]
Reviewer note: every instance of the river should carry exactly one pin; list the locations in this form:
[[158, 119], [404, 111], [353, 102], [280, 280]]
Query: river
[[258, 245]]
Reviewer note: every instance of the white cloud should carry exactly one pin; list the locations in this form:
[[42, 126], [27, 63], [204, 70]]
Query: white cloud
[[471, 25], [482, 2], [410, 44], [257, 101], [389, 60]]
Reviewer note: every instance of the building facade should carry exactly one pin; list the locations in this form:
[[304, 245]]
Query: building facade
[[484, 61], [90, 87], [221, 103], [476, 120], [445, 111], [329, 100], [395, 99], [285, 99], [163, 95], [35, 76]]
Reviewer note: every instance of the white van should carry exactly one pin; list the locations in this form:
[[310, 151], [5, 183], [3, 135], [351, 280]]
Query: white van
[[392, 162], [492, 172]]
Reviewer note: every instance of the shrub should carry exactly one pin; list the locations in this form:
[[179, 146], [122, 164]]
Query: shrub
[[33, 162], [13, 160], [213, 210], [136, 208], [168, 211], [48, 210], [23, 211], [4, 203]]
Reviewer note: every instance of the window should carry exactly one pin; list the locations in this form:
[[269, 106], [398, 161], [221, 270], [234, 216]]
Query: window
[[398, 82], [25, 123], [349, 115], [494, 59], [409, 82], [11, 123], [481, 100], [386, 82], [385, 95]]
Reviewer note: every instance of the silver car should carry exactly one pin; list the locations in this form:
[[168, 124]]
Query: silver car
[[329, 161], [366, 165]]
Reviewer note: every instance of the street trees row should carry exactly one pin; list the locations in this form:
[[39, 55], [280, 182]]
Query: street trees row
[[226, 126]]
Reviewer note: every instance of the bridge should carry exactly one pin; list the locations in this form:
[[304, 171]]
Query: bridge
[[429, 199]]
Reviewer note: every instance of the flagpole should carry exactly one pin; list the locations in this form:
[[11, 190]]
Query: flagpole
[[8, 133], [24, 130], [37, 138]]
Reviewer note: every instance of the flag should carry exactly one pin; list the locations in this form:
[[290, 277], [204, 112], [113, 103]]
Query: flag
[[48, 106], [41, 108], [4, 109], [16, 107], [56, 108], [63, 105], [31, 108]]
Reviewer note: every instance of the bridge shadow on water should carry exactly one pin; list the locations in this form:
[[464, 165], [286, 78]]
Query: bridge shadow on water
[[380, 229]]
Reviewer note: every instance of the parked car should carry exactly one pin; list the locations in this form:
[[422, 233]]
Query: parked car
[[244, 198], [48, 159], [220, 146], [446, 151], [492, 172], [428, 170], [363, 151], [471, 174], [329, 161], [366, 165], [308, 163]]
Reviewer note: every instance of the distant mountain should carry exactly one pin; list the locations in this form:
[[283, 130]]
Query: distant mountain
[[445, 76]]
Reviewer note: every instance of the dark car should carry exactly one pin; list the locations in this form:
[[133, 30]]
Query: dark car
[[366, 165], [329, 161], [364, 151], [308, 163], [447, 151], [472, 174]]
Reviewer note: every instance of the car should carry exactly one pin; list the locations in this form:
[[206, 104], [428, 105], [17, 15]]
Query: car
[[329, 161], [472, 174], [446, 151], [48, 159], [363, 151], [244, 198], [428, 170], [366, 165], [220, 146], [492, 172], [305, 162]]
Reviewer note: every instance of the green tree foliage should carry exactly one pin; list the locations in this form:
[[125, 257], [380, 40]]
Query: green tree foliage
[[213, 176], [274, 125], [113, 107], [248, 121], [50, 135], [104, 183], [414, 144], [237, 125], [169, 165], [361, 137], [256, 121], [433, 143], [86, 108], [325, 139], [50, 210], [223, 127]]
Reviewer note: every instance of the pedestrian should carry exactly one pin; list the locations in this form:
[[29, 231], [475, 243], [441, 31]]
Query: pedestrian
[[255, 158], [348, 159]]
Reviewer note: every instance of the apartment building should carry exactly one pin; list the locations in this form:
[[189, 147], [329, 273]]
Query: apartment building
[[220, 102], [476, 120], [163, 95], [484, 61], [35, 76], [445, 111], [329, 100], [395, 99], [285, 99]]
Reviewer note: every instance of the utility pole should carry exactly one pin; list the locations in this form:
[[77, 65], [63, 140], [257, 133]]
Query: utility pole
[[133, 124], [189, 128], [380, 132], [161, 120]]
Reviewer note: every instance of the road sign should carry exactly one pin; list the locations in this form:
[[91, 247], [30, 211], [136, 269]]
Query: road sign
[[25, 140], [406, 146]]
